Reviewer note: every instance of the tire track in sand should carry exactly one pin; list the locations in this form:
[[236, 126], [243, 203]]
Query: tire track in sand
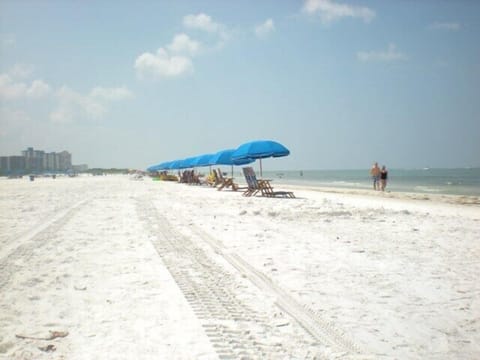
[[309, 320], [235, 330], [18, 250]]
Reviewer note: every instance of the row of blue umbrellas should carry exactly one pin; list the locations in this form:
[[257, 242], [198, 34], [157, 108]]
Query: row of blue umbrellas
[[244, 154]]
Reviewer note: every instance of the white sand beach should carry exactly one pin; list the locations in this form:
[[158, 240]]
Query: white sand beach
[[111, 268]]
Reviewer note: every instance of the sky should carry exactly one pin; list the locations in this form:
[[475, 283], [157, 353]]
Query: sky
[[340, 83]]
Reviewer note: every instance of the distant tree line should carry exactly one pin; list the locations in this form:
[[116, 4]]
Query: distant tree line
[[101, 171]]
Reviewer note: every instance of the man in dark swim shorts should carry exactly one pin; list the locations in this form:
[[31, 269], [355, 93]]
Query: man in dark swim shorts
[[375, 173]]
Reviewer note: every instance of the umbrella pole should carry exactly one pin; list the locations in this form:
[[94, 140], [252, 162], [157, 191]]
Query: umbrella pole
[[232, 171], [261, 175]]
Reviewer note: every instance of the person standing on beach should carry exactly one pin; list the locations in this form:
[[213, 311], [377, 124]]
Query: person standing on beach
[[383, 178], [375, 173]]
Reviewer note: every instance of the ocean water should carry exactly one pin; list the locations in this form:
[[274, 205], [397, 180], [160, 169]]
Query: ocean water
[[434, 181]]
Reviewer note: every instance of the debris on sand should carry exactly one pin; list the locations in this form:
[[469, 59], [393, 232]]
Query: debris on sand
[[53, 335], [48, 348]]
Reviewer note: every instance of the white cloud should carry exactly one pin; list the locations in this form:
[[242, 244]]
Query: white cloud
[[111, 94], [38, 89], [263, 30], [182, 43], [162, 64], [330, 11], [389, 55], [12, 90], [175, 59], [201, 22], [72, 104], [68, 104], [205, 23], [94, 105], [447, 26], [62, 115]]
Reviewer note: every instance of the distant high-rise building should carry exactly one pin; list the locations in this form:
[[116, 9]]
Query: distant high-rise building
[[17, 163], [29, 158], [64, 161], [36, 161], [12, 164], [51, 161], [4, 163]]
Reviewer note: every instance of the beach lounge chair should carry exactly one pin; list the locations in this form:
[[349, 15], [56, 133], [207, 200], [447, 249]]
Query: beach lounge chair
[[189, 177], [253, 186], [183, 177], [226, 182], [262, 186], [212, 179], [194, 178]]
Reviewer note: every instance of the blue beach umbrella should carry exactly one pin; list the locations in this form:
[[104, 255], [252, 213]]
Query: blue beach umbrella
[[187, 163], [175, 165], [202, 160], [157, 167], [260, 149], [152, 168], [166, 165], [163, 165], [180, 164], [224, 157]]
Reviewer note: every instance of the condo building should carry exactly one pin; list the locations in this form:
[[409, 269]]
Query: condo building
[[36, 161]]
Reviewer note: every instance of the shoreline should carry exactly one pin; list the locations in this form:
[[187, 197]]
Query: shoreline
[[469, 200], [463, 199], [472, 200]]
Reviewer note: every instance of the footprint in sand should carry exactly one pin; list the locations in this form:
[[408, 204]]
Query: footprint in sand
[[5, 346]]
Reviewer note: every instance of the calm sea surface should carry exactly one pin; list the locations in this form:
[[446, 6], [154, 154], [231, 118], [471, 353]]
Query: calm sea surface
[[437, 181]]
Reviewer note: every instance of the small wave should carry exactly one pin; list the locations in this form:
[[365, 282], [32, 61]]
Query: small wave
[[453, 183], [346, 183], [427, 189]]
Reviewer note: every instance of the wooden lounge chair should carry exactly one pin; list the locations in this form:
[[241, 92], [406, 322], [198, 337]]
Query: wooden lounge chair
[[212, 179], [253, 186], [226, 182], [195, 178], [261, 185], [183, 177], [189, 177], [267, 190]]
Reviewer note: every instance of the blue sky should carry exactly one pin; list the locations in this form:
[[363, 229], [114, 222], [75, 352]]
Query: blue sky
[[340, 83]]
